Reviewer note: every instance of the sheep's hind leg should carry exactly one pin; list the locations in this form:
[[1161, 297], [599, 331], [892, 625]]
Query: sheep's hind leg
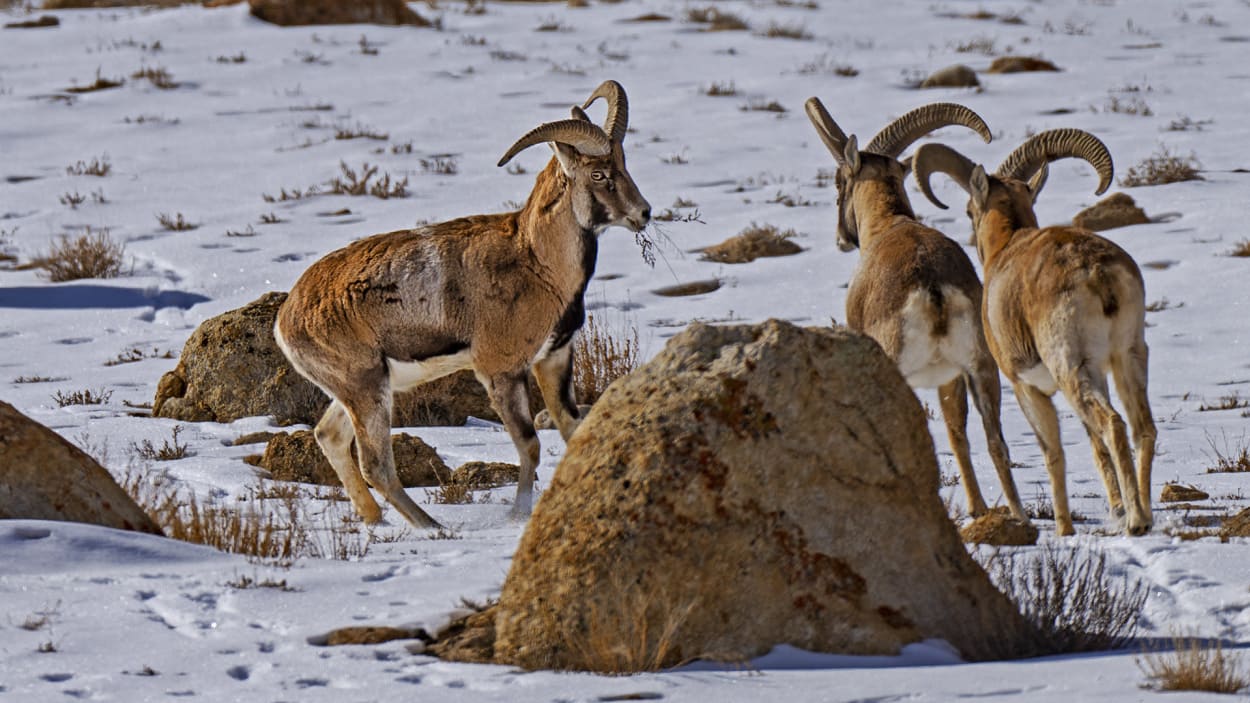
[[987, 396], [371, 416], [334, 435], [954, 400]]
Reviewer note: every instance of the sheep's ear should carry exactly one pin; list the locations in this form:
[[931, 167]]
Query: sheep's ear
[[850, 154], [979, 187], [566, 155], [1038, 181]]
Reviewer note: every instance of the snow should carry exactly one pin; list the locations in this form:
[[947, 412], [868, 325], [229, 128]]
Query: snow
[[138, 618]]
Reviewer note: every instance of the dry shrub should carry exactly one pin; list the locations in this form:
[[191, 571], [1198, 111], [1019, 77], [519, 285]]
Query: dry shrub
[[1241, 249], [1162, 167], [276, 529], [786, 31], [91, 255], [1072, 599], [752, 243], [100, 83], [157, 76], [98, 166], [83, 397], [168, 451], [175, 222], [602, 355], [352, 183], [716, 20], [251, 529], [1193, 665], [638, 635], [1230, 460]]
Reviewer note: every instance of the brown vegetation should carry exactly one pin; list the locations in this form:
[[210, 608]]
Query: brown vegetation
[[1071, 597], [1162, 167], [601, 356], [91, 255], [1194, 665]]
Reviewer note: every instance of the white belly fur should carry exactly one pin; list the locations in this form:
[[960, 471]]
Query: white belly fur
[[407, 374], [930, 362]]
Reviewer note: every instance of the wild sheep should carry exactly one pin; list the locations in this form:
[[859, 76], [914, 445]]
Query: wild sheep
[[499, 294], [915, 291], [1063, 306]]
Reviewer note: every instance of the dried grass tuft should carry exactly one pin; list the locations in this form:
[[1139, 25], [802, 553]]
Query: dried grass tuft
[[1194, 665], [602, 355], [1070, 596], [1162, 167], [91, 255]]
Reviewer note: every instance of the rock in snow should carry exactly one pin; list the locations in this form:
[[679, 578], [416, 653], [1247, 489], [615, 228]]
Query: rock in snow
[[750, 486], [44, 477]]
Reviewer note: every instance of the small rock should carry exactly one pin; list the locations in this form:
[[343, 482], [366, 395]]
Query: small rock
[[1020, 64], [43, 21], [1236, 526], [482, 475], [1176, 493], [957, 76], [750, 245], [296, 457], [999, 529], [1116, 210], [254, 438], [371, 634], [288, 13]]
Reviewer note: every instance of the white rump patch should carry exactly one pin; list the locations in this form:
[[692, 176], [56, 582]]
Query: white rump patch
[[408, 374], [929, 361]]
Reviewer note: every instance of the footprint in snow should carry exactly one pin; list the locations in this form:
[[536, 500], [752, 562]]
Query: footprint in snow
[[239, 673]]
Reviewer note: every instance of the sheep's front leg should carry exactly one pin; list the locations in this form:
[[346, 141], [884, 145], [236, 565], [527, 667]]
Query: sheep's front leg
[[510, 396], [554, 372]]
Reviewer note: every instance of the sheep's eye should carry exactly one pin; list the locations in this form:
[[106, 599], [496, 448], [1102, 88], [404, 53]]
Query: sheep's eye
[[598, 176]]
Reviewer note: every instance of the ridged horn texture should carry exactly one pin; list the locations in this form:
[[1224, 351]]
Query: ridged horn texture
[[901, 133], [617, 120], [939, 157], [586, 137], [830, 133], [1054, 144]]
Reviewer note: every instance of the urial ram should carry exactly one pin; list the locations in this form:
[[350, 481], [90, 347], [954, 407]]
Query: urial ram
[[915, 290], [499, 294], [1063, 306]]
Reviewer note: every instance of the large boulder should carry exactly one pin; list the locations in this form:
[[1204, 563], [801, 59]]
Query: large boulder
[[44, 477], [304, 12], [231, 367], [748, 487]]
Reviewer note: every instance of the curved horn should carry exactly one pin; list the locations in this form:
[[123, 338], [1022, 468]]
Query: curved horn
[[939, 157], [901, 133], [579, 114], [830, 133], [1054, 144], [587, 138], [617, 120]]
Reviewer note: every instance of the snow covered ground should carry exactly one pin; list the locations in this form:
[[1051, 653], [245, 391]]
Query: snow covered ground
[[137, 618]]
